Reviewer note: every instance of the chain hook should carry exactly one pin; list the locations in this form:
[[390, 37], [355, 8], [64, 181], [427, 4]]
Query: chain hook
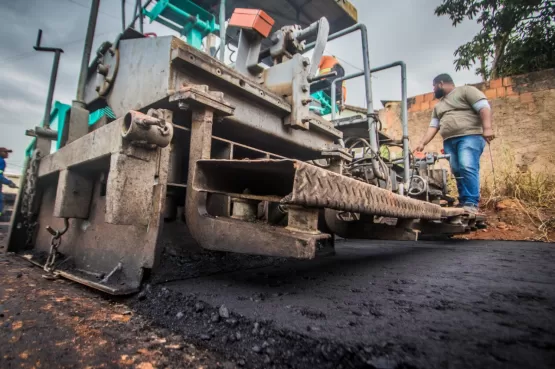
[[55, 242]]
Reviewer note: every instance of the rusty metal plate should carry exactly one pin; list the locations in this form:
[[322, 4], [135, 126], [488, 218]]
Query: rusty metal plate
[[307, 185], [200, 96], [321, 188]]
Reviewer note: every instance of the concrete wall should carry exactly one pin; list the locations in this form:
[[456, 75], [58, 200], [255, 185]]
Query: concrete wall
[[523, 117]]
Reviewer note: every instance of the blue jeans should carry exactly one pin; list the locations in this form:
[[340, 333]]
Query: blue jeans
[[465, 154], [1, 201]]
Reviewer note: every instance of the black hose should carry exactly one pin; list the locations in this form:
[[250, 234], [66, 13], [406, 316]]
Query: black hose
[[232, 53]]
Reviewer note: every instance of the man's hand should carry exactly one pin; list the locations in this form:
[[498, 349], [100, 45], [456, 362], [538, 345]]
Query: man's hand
[[12, 185], [420, 147], [488, 135], [430, 134]]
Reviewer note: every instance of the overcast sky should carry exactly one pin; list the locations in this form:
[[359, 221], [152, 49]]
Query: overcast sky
[[404, 30]]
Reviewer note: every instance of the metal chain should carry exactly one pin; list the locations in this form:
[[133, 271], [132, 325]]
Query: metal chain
[[55, 242], [29, 194]]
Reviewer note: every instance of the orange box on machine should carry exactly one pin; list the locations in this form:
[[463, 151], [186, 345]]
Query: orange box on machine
[[254, 19]]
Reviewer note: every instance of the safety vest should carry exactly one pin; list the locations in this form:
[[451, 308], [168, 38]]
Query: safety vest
[[327, 63]]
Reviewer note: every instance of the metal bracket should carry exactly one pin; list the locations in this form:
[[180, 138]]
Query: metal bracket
[[340, 153], [199, 96]]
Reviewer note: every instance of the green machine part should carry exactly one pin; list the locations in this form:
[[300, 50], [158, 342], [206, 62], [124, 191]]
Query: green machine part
[[185, 17], [325, 103], [57, 119]]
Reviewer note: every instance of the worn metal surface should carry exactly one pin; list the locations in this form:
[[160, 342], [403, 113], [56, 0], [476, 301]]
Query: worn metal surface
[[248, 49], [114, 244], [366, 228], [78, 125], [302, 219], [318, 187], [307, 185], [226, 234], [129, 192], [259, 114], [91, 147], [94, 246], [73, 195], [190, 96], [243, 209], [166, 64], [183, 57], [146, 130], [144, 69]]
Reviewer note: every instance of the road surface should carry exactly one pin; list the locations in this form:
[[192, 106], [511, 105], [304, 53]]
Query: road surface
[[457, 304]]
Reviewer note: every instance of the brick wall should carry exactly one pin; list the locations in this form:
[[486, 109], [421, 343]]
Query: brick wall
[[523, 117]]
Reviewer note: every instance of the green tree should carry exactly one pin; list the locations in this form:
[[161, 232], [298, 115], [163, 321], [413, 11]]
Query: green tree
[[517, 36]]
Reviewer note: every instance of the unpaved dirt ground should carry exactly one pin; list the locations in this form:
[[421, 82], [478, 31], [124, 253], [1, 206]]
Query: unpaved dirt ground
[[510, 220], [457, 304], [59, 324]]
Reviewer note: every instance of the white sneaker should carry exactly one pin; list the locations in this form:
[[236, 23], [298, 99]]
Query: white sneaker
[[471, 209]]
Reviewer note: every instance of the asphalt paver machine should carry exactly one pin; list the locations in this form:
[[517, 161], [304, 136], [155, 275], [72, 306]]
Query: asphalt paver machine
[[200, 156]]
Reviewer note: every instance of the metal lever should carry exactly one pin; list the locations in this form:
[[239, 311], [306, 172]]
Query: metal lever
[[53, 76], [323, 29]]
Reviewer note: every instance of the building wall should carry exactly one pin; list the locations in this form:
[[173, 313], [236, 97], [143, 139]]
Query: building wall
[[523, 118]]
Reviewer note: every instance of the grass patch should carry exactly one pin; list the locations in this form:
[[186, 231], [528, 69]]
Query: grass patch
[[533, 192]]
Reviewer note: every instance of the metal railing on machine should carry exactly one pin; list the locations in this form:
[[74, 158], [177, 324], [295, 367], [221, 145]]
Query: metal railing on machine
[[371, 117]]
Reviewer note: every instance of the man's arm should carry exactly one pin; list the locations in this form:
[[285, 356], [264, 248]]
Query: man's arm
[[485, 116], [480, 104], [430, 133], [3, 179], [6, 181]]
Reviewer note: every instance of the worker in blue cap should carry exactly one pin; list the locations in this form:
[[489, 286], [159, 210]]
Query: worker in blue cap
[[4, 153]]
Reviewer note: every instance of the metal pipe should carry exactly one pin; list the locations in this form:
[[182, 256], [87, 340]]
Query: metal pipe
[[334, 89], [139, 15], [141, 19], [404, 115], [136, 9], [53, 77], [322, 76], [222, 30], [52, 85], [303, 34], [367, 85], [123, 16], [79, 100]]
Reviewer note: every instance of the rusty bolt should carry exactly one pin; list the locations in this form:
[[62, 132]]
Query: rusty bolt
[[304, 88], [307, 101], [306, 62], [305, 120]]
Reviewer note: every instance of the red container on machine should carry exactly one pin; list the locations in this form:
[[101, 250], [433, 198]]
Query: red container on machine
[[253, 19]]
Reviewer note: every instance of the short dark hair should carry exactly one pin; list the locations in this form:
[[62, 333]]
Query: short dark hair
[[444, 77]]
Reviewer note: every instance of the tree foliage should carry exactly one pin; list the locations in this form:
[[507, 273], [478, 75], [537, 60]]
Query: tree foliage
[[517, 36]]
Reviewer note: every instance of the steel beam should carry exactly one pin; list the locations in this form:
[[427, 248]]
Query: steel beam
[[227, 234], [299, 183]]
